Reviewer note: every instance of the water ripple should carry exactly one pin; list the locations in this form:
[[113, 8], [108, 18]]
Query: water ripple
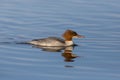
[[24, 20]]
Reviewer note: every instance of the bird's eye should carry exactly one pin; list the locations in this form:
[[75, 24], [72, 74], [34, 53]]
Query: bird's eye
[[74, 33]]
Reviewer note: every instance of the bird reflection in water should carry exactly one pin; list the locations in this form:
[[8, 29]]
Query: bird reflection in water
[[67, 52]]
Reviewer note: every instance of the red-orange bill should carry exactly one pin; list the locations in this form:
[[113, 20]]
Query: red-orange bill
[[80, 36]]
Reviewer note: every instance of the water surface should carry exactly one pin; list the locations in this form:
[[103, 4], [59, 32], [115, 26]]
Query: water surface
[[97, 55]]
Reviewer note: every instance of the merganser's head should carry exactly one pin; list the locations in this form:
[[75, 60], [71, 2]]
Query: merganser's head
[[69, 34]]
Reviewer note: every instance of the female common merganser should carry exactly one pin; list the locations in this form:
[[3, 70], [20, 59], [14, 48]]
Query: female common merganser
[[54, 41]]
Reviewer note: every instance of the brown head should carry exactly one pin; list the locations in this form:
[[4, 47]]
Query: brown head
[[69, 34]]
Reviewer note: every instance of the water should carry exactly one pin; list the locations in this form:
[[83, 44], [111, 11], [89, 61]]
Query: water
[[97, 56]]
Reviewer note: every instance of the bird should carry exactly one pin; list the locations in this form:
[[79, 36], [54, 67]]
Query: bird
[[67, 40]]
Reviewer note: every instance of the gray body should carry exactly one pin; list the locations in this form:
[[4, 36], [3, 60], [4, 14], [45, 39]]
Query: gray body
[[50, 41]]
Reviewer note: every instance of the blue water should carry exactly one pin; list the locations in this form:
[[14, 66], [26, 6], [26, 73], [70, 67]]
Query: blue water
[[98, 55]]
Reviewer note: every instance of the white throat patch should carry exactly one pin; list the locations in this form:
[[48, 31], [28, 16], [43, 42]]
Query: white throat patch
[[69, 43]]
